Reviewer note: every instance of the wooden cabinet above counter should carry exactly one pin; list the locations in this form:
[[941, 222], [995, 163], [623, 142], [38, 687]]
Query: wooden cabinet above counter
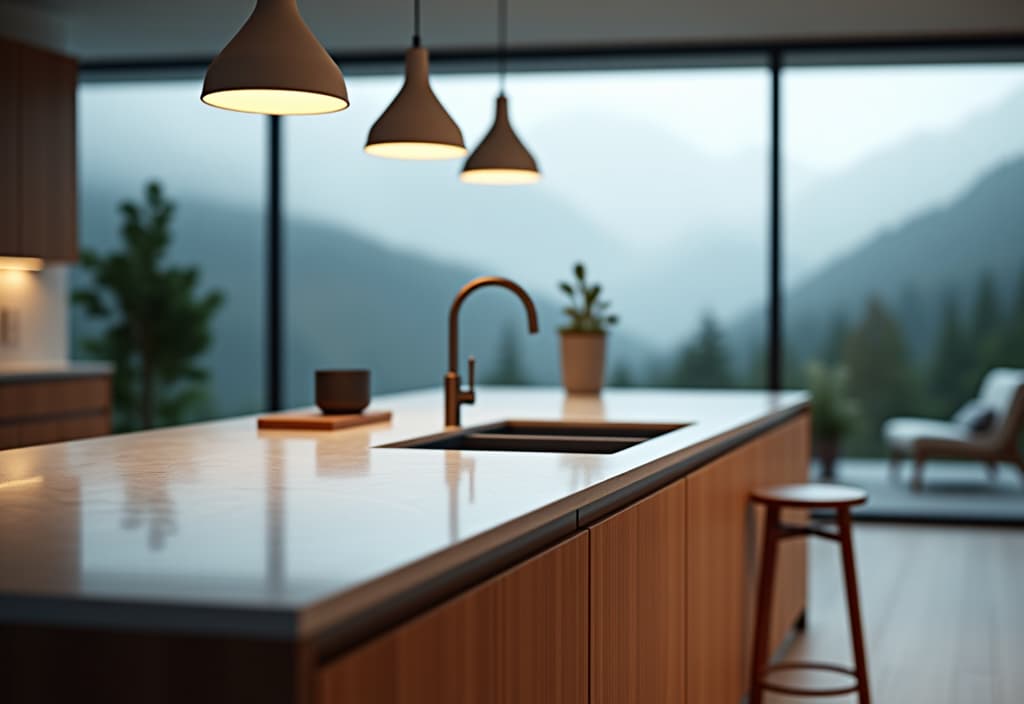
[[37, 153]]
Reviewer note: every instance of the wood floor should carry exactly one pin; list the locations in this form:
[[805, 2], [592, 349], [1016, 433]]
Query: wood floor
[[943, 610]]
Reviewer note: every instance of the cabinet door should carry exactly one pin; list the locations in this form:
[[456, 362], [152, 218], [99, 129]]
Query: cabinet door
[[723, 543], [9, 242], [47, 157], [638, 602], [519, 638]]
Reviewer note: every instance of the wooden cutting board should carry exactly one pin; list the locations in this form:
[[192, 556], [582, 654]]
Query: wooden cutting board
[[320, 421]]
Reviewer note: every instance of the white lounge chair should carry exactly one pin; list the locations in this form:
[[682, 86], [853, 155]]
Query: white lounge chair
[[986, 429]]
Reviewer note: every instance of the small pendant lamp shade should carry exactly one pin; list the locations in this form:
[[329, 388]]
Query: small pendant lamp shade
[[501, 159], [416, 125], [275, 66]]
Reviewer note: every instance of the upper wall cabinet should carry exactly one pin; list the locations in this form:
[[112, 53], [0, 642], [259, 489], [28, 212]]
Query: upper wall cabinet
[[37, 153]]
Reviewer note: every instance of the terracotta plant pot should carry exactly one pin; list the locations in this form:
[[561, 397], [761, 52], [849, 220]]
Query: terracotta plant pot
[[583, 362]]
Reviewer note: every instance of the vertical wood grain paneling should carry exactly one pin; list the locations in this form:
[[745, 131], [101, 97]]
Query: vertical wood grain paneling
[[519, 638], [9, 150], [723, 541], [46, 164], [638, 602]]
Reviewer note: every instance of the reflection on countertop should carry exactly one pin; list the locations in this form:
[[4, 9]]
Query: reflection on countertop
[[280, 533]]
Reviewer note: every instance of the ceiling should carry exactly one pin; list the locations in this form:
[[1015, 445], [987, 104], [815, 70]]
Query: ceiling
[[131, 30]]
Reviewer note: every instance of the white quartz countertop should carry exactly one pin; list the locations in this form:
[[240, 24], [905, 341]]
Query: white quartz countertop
[[223, 528]]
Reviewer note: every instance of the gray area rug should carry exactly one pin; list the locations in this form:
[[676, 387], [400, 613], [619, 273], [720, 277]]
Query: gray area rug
[[959, 492]]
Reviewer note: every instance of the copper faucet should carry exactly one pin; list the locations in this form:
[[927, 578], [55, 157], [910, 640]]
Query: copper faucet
[[454, 394]]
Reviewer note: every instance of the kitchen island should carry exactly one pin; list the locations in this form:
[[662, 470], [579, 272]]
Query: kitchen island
[[218, 562]]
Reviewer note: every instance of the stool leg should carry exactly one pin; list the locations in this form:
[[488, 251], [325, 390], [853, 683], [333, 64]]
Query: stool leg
[[763, 617], [853, 603]]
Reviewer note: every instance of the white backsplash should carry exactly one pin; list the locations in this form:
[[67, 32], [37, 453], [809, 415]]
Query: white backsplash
[[34, 306]]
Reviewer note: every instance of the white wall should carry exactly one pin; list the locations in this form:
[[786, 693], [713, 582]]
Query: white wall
[[39, 302]]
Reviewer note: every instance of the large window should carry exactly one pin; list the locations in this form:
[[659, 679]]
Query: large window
[[904, 233], [656, 179], [213, 166]]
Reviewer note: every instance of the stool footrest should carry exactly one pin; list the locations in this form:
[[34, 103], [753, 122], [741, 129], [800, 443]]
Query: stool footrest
[[808, 692], [788, 530]]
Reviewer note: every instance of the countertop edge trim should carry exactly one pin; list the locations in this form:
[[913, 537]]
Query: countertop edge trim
[[694, 460], [166, 618]]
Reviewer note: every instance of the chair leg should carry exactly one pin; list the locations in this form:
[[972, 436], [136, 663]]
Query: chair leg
[[917, 483], [763, 617], [853, 604], [895, 460]]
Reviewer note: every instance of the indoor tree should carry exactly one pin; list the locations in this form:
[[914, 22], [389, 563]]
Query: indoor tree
[[157, 321]]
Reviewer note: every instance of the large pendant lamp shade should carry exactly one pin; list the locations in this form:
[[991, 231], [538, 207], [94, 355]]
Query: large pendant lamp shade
[[416, 125], [275, 66], [501, 159]]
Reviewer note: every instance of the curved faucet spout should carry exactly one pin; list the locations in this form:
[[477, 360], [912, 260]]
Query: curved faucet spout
[[454, 395], [480, 282]]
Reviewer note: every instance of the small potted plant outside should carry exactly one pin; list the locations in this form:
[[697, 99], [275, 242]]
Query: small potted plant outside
[[833, 413], [583, 339]]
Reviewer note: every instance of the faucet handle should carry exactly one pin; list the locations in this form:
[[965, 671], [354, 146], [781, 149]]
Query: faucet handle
[[472, 374]]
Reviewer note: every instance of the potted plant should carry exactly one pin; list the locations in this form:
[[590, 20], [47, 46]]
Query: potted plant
[[583, 339], [833, 413]]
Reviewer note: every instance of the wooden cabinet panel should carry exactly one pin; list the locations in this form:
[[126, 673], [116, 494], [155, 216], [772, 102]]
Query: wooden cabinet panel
[[723, 536], [41, 411], [519, 638], [47, 156], [719, 550], [786, 459], [9, 197], [637, 602]]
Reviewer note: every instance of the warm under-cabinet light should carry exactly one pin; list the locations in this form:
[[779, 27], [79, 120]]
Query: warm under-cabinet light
[[21, 263], [275, 66]]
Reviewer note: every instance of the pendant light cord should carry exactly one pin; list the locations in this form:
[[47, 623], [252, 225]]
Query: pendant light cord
[[416, 22], [502, 43]]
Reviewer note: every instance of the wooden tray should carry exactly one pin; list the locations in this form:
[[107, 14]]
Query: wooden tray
[[320, 421]]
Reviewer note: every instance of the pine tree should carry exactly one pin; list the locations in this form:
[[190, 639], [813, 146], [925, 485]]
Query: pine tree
[[158, 323], [986, 307], [1011, 341], [881, 376], [508, 367], [705, 362], [621, 375], [950, 370], [838, 331]]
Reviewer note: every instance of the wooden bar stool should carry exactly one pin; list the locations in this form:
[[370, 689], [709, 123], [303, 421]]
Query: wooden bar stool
[[810, 496]]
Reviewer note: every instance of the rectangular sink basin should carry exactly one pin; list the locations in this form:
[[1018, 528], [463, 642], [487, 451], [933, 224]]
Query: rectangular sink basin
[[544, 436]]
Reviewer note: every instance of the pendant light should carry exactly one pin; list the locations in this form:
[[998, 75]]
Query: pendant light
[[501, 159], [275, 66], [416, 125]]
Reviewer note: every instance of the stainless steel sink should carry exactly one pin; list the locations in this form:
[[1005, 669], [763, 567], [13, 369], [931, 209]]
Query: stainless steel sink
[[543, 436]]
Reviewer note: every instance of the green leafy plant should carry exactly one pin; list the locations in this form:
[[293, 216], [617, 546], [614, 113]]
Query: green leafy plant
[[833, 412], [586, 311], [158, 324]]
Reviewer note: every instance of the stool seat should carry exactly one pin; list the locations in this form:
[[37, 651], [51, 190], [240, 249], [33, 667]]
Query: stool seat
[[810, 495]]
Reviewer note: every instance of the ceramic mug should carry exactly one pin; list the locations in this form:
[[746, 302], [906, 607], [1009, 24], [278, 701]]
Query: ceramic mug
[[342, 390]]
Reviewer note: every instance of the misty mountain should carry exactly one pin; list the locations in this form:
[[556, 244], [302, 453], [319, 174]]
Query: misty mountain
[[913, 268], [830, 218]]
